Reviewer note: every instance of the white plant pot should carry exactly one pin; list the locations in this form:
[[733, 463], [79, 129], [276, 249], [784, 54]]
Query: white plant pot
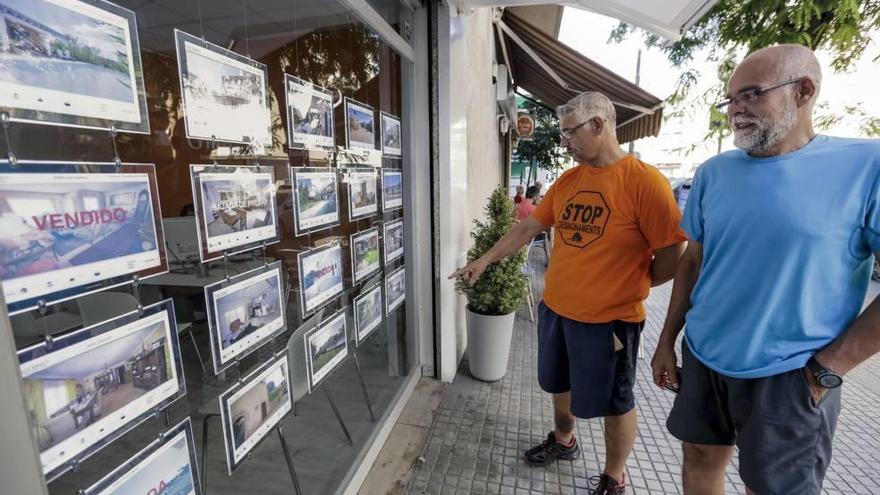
[[488, 344]]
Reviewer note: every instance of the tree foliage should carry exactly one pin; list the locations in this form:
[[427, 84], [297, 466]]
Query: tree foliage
[[841, 27], [543, 148], [502, 287]]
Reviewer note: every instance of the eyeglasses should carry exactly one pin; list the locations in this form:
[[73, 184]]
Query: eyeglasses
[[568, 132], [750, 96]]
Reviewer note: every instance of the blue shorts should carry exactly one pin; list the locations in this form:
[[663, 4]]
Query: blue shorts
[[580, 358]]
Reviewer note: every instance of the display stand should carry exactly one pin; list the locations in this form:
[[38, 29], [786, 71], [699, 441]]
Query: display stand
[[4, 121], [357, 367], [288, 458], [299, 373]]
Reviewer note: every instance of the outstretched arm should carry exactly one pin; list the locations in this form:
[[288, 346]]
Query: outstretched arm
[[510, 243]]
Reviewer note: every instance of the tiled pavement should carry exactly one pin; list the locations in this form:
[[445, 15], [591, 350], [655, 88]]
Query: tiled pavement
[[481, 429]]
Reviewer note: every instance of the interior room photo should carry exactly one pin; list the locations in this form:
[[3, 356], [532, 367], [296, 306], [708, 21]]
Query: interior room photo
[[234, 206], [67, 397], [244, 311], [258, 404]]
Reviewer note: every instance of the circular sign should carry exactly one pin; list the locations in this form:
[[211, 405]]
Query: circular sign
[[525, 126]]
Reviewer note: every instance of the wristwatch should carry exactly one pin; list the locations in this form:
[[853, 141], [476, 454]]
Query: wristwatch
[[824, 377]]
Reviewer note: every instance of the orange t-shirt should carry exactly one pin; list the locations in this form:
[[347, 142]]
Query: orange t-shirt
[[607, 222]]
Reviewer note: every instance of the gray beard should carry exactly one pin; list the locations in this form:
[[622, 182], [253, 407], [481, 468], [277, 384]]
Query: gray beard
[[768, 132]]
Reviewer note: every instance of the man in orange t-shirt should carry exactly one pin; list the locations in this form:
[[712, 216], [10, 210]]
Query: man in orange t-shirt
[[616, 235]]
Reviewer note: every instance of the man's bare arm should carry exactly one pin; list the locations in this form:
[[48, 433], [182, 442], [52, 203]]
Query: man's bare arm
[[664, 362], [665, 263], [858, 343], [510, 243]]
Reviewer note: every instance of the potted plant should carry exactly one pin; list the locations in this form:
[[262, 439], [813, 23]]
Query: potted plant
[[493, 300]]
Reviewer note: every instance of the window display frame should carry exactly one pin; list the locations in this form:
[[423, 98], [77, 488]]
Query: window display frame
[[81, 120], [363, 334], [234, 459], [306, 310], [295, 172], [235, 172], [310, 364], [355, 276], [387, 151], [356, 105], [398, 203], [76, 171], [390, 304], [254, 342], [257, 142], [347, 158], [295, 140], [363, 212], [397, 253], [67, 344], [144, 457]]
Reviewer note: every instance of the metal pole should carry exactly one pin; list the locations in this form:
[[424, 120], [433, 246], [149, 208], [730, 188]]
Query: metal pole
[[205, 451], [632, 144], [338, 416], [289, 460], [357, 367]]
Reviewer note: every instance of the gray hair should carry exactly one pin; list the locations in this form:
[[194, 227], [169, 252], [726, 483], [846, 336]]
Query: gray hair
[[590, 104]]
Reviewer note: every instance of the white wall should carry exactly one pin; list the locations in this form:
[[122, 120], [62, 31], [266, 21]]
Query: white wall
[[470, 166]]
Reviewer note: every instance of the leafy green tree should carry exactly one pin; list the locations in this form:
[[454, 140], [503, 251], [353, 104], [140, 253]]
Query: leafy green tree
[[500, 290], [543, 148], [731, 27]]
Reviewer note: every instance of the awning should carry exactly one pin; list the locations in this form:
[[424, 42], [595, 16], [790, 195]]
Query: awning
[[553, 73], [667, 18]]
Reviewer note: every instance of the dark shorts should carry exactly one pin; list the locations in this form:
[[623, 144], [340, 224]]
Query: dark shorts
[[580, 358], [784, 438]]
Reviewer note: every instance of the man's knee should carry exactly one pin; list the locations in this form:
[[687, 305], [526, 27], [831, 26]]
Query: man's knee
[[706, 457]]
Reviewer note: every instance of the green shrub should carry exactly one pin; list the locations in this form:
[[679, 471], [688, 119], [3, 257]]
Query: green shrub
[[502, 287]]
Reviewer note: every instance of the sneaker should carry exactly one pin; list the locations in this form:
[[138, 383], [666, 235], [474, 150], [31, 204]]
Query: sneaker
[[550, 450], [606, 485]]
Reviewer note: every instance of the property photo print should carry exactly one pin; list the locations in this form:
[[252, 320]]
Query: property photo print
[[255, 408], [392, 189], [360, 125], [393, 234], [60, 231], [320, 276], [365, 254], [368, 312], [309, 114], [246, 313], [167, 470], [236, 209], [63, 59], [363, 199], [391, 137], [224, 93], [327, 347], [98, 386], [395, 289], [317, 203]]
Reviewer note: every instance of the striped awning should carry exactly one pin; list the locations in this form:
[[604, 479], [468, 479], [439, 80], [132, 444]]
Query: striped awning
[[553, 73]]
